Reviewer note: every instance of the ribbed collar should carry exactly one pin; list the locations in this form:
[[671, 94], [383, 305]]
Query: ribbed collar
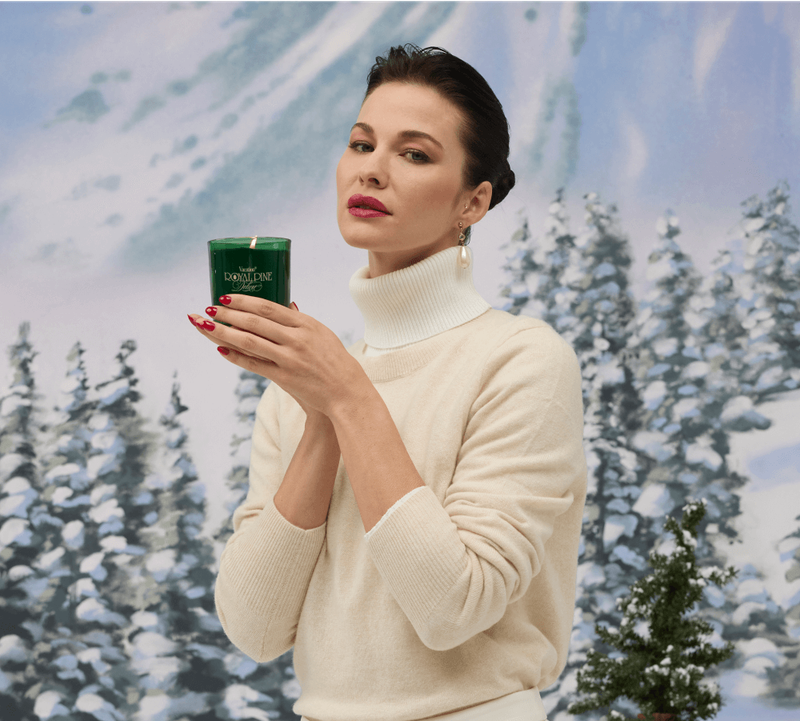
[[417, 302]]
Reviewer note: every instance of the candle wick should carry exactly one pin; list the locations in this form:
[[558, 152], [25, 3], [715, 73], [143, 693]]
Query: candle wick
[[253, 242]]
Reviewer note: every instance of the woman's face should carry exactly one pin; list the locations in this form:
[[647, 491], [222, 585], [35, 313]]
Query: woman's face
[[399, 182]]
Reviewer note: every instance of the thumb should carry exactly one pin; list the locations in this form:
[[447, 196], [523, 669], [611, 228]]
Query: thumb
[[295, 306]]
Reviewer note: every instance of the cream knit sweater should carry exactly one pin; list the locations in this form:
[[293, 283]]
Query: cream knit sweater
[[465, 590]]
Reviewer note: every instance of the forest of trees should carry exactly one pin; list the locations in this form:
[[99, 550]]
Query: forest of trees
[[107, 574]]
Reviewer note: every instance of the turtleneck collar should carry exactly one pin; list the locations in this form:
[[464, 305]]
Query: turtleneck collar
[[417, 302]]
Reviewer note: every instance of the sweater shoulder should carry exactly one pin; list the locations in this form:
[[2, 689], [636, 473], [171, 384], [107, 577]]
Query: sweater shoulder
[[514, 333]]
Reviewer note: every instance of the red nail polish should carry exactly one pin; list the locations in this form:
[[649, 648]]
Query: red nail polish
[[211, 310], [191, 320], [222, 350], [208, 325], [295, 306], [225, 299]]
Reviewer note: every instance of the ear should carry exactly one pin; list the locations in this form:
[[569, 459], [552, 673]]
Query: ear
[[477, 202]]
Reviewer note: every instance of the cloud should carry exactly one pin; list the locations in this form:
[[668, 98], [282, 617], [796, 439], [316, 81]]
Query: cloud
[[713, 31]]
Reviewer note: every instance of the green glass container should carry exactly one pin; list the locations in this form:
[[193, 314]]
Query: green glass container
[[254, 266]]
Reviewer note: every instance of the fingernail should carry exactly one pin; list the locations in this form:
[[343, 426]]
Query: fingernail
[[295, 306], [207, 325], [225, 299], [222, 350], [211, 310], [191, 320]]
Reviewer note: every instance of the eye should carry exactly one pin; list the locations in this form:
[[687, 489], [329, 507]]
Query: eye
[[416, 156], [360, 146]]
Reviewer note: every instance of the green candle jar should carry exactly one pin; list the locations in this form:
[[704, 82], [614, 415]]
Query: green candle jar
[[256, 266]]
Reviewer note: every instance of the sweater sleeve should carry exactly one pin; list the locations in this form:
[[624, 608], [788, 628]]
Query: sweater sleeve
[[267, 563], [399, 502], [520, 477]]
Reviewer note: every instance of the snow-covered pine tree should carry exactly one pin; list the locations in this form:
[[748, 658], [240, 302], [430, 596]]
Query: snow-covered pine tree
[[662, 651], [692, 404], [249, 390], [772, 275], [581, 288], [522, 269], [784, 679], [734, 325], [20, 487], [112, 548], [59, 515], [614, 554], [251, 683], [176, 644]]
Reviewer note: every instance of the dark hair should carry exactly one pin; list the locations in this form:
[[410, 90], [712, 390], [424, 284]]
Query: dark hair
[[484, 133]]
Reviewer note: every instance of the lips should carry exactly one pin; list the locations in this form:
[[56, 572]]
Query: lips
[[363, 206]]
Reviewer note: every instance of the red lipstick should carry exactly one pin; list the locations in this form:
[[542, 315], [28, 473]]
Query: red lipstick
[[363, 206]]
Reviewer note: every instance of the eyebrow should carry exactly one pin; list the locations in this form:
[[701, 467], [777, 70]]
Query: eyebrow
[[404, 134]]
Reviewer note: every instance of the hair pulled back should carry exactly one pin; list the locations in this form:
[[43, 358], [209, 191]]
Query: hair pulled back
[[484, 132]]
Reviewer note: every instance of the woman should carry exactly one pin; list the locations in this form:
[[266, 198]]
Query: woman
[[415, 501]]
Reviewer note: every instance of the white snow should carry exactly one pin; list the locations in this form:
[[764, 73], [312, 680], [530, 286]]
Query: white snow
[[47, 705], [61, 494], [93, 610], [98, 707], [50, 559], [15, 531], [686, 408], [100, 422], [160, 563], [114, 543], [72, 534], [617, 526], [106, 511], [101, 465], [15, 485], [653, 443], [113, 391], [701, 453], [665, 347], [145, 619], [93, 566], [696, 369], [148, 644], [654, 394], [654, 502], [12, 648], [9, 462], [237, 698]]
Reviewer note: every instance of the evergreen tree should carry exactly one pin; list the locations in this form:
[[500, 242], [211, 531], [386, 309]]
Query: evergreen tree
[[20, 486], [176, 644], [784, 679], [662, 651], [580, 286], [772, 265], [59, 517], [252, 683], [108, 587], [249, 390]]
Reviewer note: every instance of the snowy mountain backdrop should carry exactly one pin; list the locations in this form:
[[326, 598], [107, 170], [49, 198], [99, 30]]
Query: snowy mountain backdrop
[[654, 224]]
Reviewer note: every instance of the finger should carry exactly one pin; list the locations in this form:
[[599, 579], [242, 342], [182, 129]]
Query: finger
[[260, 306], [259, 366], [246, 343], [252, 323]]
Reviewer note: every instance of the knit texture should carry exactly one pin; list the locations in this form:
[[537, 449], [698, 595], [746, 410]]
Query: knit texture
[[465, 593]]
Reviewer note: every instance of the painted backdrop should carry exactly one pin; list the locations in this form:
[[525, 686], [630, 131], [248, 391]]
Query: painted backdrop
[[656, 147]]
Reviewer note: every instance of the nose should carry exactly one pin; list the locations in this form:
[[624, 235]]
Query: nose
[[374, 169]]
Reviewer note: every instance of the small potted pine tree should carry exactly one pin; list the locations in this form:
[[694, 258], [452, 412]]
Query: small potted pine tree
[[663, 651]]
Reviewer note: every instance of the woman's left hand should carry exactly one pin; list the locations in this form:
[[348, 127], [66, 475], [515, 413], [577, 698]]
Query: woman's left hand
[[300, 354]]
